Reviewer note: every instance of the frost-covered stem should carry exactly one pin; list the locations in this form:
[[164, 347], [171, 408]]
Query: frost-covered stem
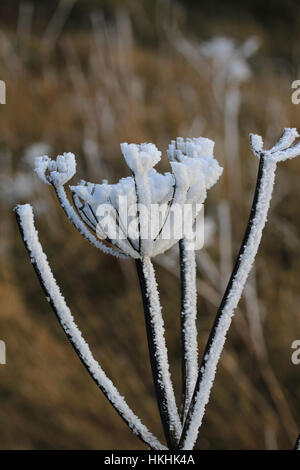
[[158, 353], [297, 445], [245, 258], [188, 328], [39, 261]]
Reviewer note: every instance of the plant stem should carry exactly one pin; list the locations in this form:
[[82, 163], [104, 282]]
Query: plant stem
[[188, 328], [158, 353], [242, 267], [44, 274], [80, 226]]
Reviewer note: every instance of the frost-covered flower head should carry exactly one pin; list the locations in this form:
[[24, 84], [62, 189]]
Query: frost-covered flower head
[[146, 213], [56, 172], [196, 154], [229, 57]]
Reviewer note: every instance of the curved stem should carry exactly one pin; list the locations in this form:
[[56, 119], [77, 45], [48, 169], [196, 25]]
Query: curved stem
[[80, 211], [243, 264], [79, 225], [188, 328], [39, 261], [158, 353]]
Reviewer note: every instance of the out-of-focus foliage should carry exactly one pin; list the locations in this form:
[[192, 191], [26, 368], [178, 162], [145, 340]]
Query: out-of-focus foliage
[[135, 71]]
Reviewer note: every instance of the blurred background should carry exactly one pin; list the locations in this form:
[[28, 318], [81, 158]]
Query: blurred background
[[83, 76]]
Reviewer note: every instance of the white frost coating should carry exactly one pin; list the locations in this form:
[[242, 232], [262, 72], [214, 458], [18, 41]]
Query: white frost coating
[[194, 171], [246, 262], [197, 155], [74, 218], [256, 143], [144, 225], [282, 155], [195, 147], [190, 329], [159, 339], [181, 176], [59, 171], [140, 158], [203, 172], [247, 259], [286, 140], [39, 258], [282, 150]]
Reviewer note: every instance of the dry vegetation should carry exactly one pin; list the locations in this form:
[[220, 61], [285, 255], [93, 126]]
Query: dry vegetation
[[86, 92]]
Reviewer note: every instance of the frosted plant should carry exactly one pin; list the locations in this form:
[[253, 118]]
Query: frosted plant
[[268, 160], [99, 214]]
